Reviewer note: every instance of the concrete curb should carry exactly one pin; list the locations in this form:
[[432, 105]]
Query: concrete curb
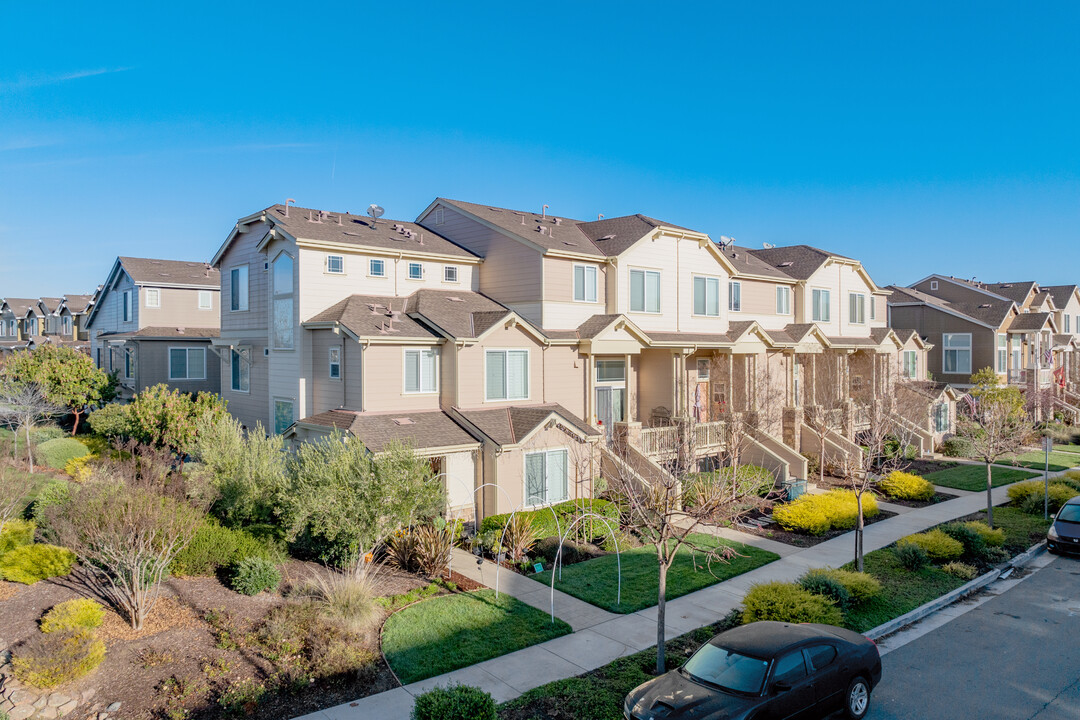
[[949, 598]]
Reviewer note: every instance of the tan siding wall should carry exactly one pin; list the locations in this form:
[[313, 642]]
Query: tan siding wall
[[840, 280], [327, 393], [471, 368], [759, 304], [564, 383], [510, 467], [560, 311], [180, 308], [250, 407], [384, 386], [654, 386]]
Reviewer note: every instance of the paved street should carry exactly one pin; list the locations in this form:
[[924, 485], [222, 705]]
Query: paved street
[[1014, 657]]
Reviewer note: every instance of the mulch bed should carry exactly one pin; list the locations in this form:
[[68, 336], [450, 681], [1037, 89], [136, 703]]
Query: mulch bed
[[938, 497], [922, 467], [463, 583], [779, 534]]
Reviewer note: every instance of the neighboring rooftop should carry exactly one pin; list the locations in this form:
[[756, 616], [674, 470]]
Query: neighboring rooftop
[[78, 303], [551, 232], [370, 316], [798, 261], [511, 425], [149, 271], [421, 430], [1061, 294], [992, 311], [165, 333]]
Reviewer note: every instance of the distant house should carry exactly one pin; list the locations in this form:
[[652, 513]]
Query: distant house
[[153, 322]]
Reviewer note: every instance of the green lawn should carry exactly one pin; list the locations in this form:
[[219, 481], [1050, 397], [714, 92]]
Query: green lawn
[[901, 590], [1037, 460], [454, 631], [1022, 530], [595, 581], [1067, 448], [973, 477]]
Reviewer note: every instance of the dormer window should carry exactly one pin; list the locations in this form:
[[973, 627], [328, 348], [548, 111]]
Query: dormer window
[[933, 285]]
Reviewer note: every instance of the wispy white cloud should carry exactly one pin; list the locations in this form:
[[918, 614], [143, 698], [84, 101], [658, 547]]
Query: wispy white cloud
[[24, 82], [25, 143]]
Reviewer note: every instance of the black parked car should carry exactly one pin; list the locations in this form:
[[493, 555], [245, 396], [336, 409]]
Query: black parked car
[[1064, 535], [765, 670]]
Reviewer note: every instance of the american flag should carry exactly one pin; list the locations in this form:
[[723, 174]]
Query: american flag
[[1048, 357]]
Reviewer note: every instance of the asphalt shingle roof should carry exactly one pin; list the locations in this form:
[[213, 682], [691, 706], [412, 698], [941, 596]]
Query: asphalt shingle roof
[[1026, 322], [20, 306], [78, 303], [560, 233], [148, 271], [511, 425], [177, 333], [421, 430], [369, 316], [989, 312], [798, 261], [1061, 294], [461, 314]]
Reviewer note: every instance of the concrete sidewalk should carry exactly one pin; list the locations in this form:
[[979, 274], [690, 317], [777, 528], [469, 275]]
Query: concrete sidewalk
[[600, 637]]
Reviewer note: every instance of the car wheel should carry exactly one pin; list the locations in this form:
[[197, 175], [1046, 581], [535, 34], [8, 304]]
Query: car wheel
[[857, 698]]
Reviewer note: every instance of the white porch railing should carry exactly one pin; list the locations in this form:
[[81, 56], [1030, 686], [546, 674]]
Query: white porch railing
[[862, 416], [1046, 376], [709, 435], [659, 440], [1018, 376]]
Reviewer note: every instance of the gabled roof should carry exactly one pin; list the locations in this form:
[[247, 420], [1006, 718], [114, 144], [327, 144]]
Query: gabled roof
[[991, 313], [424, 430], [19, 307], [616, 235], [1015, 291], [367, 316], [547, 232], [798, 261], [50, 304], [149, 271], [1061, 293], [1028, 322], [164, 333], [929, 388], [514, 424], [78, 303], [464, 315], [747, 263]]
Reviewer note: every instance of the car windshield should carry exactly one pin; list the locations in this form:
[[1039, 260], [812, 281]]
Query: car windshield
[[1069, 513], [727, 670]]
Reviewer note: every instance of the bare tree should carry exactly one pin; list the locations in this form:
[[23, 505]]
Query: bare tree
[[13, 490], [22, 406], [824, 414], [995, 423]]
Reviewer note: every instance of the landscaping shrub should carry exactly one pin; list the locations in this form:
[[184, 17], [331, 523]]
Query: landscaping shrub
[[457, 702], [56, 453], [45, 434], [16, 533], [396, 602], [216, 546], [911, 556], [788, 602], [79, 467], [51, 659], [813, 464], [993, 537], [434, 544], [936, 544], [520, 537], [298, 636], [252, 575], [30, 563], [957, 447], [960, 570], [79, 614], [572, 552], [401, 549], [241, 697], [827, 587], [544, 521], [1028, 495], [113, 420], [971, 540], [56, 492], [993, 555], [906, 486], [860, 586], [748, 476], [817, 514]]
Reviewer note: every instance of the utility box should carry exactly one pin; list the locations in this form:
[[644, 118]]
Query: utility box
[[794, 489]]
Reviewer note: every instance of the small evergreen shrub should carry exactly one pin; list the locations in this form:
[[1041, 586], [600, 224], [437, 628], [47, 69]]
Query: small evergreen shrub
[[819, 513], [56, 492], [906, 486], [252, 575], [960, 570], [113, 420], [544, 521], [971, 540], [860, 586], [1028, 495], [51, 659], [992, 537], [788, 602], [936, 544], [993, 555], [30, 563], [216, 546], [457, 702], [912, 557], [79, 467], [45, 434], [827, 587], [56, 453], [16, 534], [80, 614], [958, 447]]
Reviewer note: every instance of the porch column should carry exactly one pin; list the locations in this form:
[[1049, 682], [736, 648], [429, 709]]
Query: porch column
[[629, 401], [590, 391], [813, 380]]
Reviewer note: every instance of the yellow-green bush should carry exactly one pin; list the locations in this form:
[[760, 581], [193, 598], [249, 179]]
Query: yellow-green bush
[[961, 570], [79, 467], [861, 586], [52, 659], [817, 514], [80, 614], [936, 544], [30, 563], [1028, 495], [16, 534], [57, 453], [994, 537], [906, 486], [788, 602]]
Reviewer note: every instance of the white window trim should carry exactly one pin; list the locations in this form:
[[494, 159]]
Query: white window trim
[[243, 303], [156, 293], [373, 260], [209, 300], [786, 292], [440, 215], [693, 303], [944, 350], [734, 284], [273, 411], [239, 350], [873, 307], [457, 274], [525, 476], [291, 296], [852, 321], [408, 271], [645, 295], [596, 283], [188, 364], [828, 305], [933, 284], [326, 265], [1001, 354], [330, 363], [528, 374], [404, 372], [596, 372]]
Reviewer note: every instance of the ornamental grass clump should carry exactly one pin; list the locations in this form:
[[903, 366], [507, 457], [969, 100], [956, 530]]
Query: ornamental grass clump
[[346, 598], [457, 702], [79, 614], [906, 486], [788, 602], [817, 514], [938, 546]]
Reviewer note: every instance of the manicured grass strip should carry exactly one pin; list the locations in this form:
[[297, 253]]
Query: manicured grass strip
[[595, 581], [454, 631], [973, 477], [1067, 448], [901, 590], [1022, 530], [1037, 461]]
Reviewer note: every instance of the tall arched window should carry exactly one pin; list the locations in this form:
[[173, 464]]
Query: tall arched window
[[283, 303]]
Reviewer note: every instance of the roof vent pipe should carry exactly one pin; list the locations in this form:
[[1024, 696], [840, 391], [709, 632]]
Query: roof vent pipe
[[600, 216], [289, 200], [543, 212]]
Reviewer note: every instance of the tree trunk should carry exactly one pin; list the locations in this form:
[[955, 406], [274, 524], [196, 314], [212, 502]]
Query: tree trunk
[[859, 535], [75, 429], [989, 496], [660, 611], [29, 450]]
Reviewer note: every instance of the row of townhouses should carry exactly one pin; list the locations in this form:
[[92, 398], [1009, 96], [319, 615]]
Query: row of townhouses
[[28, 322], [516, 349]]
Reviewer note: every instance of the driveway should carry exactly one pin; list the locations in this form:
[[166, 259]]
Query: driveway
[[1014, 657]]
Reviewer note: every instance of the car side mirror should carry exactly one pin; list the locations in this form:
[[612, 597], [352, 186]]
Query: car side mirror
[[781, 686]]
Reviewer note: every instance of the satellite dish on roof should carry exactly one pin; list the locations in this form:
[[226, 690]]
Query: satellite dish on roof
[[375, 211], [767, 246]]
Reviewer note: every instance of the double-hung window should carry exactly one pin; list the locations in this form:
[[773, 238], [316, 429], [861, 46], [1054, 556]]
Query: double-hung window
[[334, 370], [377, 268], [546, 477], [67, 325], [941, 417], [856, 308], [187, 363], [153, 298], [783, 300], [1067, 330], [734, 296], [450, 273], [821, 301], [238, 289], [873, 308], [283, 415], [956, 353], [206, 300], [645, 291], [585, 283], [507, 374], [909, 364], [416, 271], [127, 305], [240, 367], [706, 296], [282, 330], [1002, 353], [421, 371]]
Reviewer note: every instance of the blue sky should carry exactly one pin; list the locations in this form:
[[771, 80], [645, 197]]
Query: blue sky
[[916, 137]]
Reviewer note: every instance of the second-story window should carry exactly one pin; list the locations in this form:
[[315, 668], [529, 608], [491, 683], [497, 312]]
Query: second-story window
[[153, 298], [416, 271], [909, 365], [645, 291], [821, 305], [282, 328], [734, 296], [129, 363], [956, 353], [1002, 353], [507, 375], [335, 264], [856, 308], [377, 268], [421, 371], [206, 300], [584, 283], [67, 325], [706, 296], [335, 363], [238, 288], [450, 273], [127, 305], [1067, 330], [783, 300], [873, 308]]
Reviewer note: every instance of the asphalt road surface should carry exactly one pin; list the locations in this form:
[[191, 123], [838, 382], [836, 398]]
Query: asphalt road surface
[[1014, 657]]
